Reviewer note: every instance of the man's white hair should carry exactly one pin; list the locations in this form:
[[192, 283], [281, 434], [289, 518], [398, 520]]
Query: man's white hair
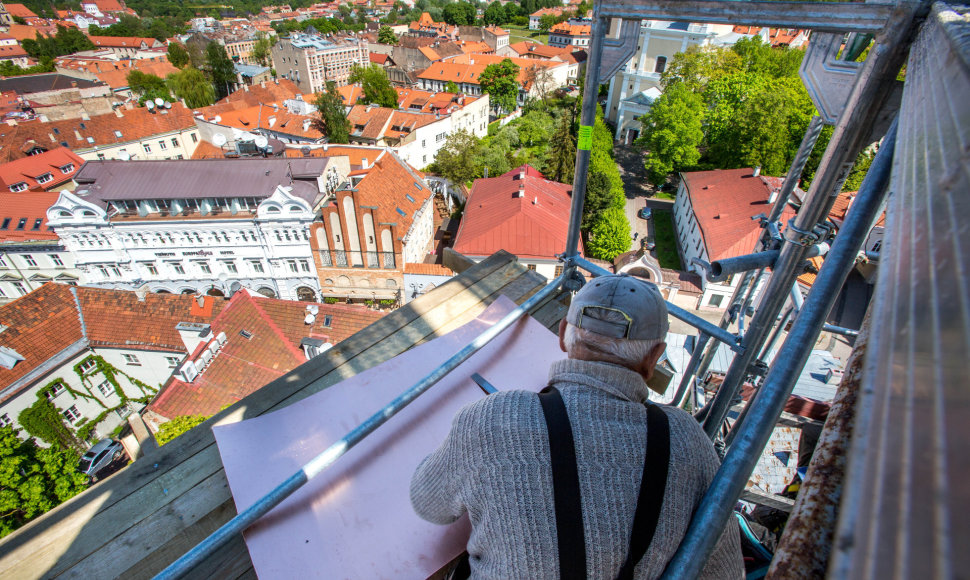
[[585, 344]]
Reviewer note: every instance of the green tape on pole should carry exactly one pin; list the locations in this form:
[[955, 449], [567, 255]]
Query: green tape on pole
[[585, 138]]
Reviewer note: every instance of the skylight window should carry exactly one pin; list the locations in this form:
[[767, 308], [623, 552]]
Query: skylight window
[[57, 131], [245, 334], [21, 223], [118, 134], [409, 198], [82, 126], [401, 211], [91, 140], [37, 223]]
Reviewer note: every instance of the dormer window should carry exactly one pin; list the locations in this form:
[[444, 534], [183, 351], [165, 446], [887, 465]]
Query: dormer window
[[19, 186], [45, 178], [118, 134], [65, 169]]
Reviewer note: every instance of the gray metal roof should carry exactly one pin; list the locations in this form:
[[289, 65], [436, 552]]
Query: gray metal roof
[[198, 178]]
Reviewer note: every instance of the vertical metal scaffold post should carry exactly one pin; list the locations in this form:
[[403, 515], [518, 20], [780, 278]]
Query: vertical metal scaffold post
[[718, 502], [864, 104]]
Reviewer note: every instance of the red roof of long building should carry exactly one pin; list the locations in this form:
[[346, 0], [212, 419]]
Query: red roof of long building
[[24, 209], [53, 164], [534, 225]]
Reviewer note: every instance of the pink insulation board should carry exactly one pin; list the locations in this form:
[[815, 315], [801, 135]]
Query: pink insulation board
[[355, 520]]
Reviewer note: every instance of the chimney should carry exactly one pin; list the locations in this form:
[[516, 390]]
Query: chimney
[[535, 200], [118, 113], [521, 174], [773, 197], [85, 116], [757, 171]]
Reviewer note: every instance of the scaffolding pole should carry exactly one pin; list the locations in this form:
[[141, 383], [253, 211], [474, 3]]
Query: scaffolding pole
[[718, 502]]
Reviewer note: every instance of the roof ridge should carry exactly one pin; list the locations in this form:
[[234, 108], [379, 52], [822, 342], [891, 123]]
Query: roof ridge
[[272, 324]]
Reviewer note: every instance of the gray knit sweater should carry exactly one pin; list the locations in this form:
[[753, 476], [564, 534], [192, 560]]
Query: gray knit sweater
[[495, 465]]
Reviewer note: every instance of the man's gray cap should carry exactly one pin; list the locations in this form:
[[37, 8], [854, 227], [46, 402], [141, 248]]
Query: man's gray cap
[[639, 301]]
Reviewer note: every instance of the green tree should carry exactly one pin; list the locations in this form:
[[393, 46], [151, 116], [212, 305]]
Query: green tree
[[562, 154], [386, 36], [148, 86], [261, 49], [190, 85], [495, 13], [501, 82], [459, 13], [177, 55], [177, 426], [598, 198], [374, 84], [459, 160], [65, 41], [451, 87], [219, 69], [610, 235], [672, 132], [33, 480], [333, 117]]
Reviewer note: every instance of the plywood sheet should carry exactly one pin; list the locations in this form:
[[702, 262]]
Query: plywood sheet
[[355, 519]]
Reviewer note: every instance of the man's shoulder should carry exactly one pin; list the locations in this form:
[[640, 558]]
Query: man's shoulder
[[501, 407]]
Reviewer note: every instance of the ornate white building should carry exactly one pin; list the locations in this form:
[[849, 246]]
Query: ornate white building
[[197, 226]]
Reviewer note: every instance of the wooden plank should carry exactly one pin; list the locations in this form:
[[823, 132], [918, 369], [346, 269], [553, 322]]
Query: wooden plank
[[456, 261], [133, 491], [759, 497]]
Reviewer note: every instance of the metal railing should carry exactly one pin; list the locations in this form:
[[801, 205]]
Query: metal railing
[[788, 249]]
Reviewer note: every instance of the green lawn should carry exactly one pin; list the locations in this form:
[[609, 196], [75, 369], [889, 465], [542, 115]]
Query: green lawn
[[665, 238], [521, 33]]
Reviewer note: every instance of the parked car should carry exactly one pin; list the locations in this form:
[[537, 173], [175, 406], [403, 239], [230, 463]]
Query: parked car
[[100, 456], [648, 244], [645, 213]]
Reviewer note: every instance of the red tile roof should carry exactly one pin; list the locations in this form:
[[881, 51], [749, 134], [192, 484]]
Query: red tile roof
[[377, 58], [12, 51], [387, 185], [567, 29], [428, 269], [376, 123], [206, 150], [123, 41], [244, 365], [266, 93], [117, 79], [133, 124], [20, 10], [28, 169], [27, 208], [356, 154], [22, 31], [46, 322], [531, 226], [723, 201], [263, 117]]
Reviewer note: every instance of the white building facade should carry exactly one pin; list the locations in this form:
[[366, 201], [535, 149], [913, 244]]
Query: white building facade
[[210, 243], [657, 44]]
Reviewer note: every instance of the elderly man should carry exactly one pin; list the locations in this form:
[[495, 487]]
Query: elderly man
[[496, 463]]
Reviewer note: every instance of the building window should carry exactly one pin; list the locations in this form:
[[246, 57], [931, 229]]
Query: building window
[[715, 300], [204, 266], [661, 64], [5, 420], [45, 178], [230, 267], [22, 223], [173, 361], [3, 263], [31, 262], [131, 360], [195, 138], [72, 415], [175, 142], [531, 267], [104, 271], [19, 287], [19, 186], [67, 168], [305, 265], [152, 268], [105, 389], [56, 389], [87, 366], [292, 265], [147, 148], [257, 266], [116, 271], [56, 260], [162, 145], [177, 267]]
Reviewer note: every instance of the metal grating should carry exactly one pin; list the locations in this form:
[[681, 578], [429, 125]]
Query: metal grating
[[904, 512]]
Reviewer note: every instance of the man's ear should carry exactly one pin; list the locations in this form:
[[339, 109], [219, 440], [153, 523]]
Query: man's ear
[[650, 361], [562, 334]]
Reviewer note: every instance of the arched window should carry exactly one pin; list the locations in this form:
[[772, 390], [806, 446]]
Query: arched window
[[305, 294], [661, 64]]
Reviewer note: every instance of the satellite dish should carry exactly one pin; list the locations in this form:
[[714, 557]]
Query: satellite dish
[[219, 140], [216, 119], [160, 102], [168, 105], [261, 141], [124, 156], [149, 104]]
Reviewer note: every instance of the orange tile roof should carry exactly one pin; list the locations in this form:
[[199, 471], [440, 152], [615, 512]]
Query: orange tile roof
[[12, 51], [117, 79], [29, 169], [265, 93], [470, 73], [356, 154], [206, 150], [133, 124], [840, 208], [268, 118], [556, 11], [723, 201], [349, 94], [567, 29], [370, 122], [534, 225], [475, 47], [243, 365], [26, 208], [107, 5], [22, 31], [20, 10], [454, 72], [526, 49], [428, 269], [429, 53], [46, 321], [123, 41]]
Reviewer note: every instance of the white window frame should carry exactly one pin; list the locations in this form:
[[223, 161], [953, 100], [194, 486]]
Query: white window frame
[[173, 361], [56, 260], [45, 178], [19, 186], [30, 261], [105, 389], [131, 360], [72, 415]]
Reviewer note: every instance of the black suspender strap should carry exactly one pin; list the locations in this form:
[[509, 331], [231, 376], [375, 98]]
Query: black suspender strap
[[565, 487], [652, 486]]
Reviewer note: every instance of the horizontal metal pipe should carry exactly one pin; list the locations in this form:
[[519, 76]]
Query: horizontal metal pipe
[[840, 330], [674, 310], [766, 407], [720, 270], [853, 17], [316, 465]]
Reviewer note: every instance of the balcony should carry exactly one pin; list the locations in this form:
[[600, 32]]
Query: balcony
[[138, 521]]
